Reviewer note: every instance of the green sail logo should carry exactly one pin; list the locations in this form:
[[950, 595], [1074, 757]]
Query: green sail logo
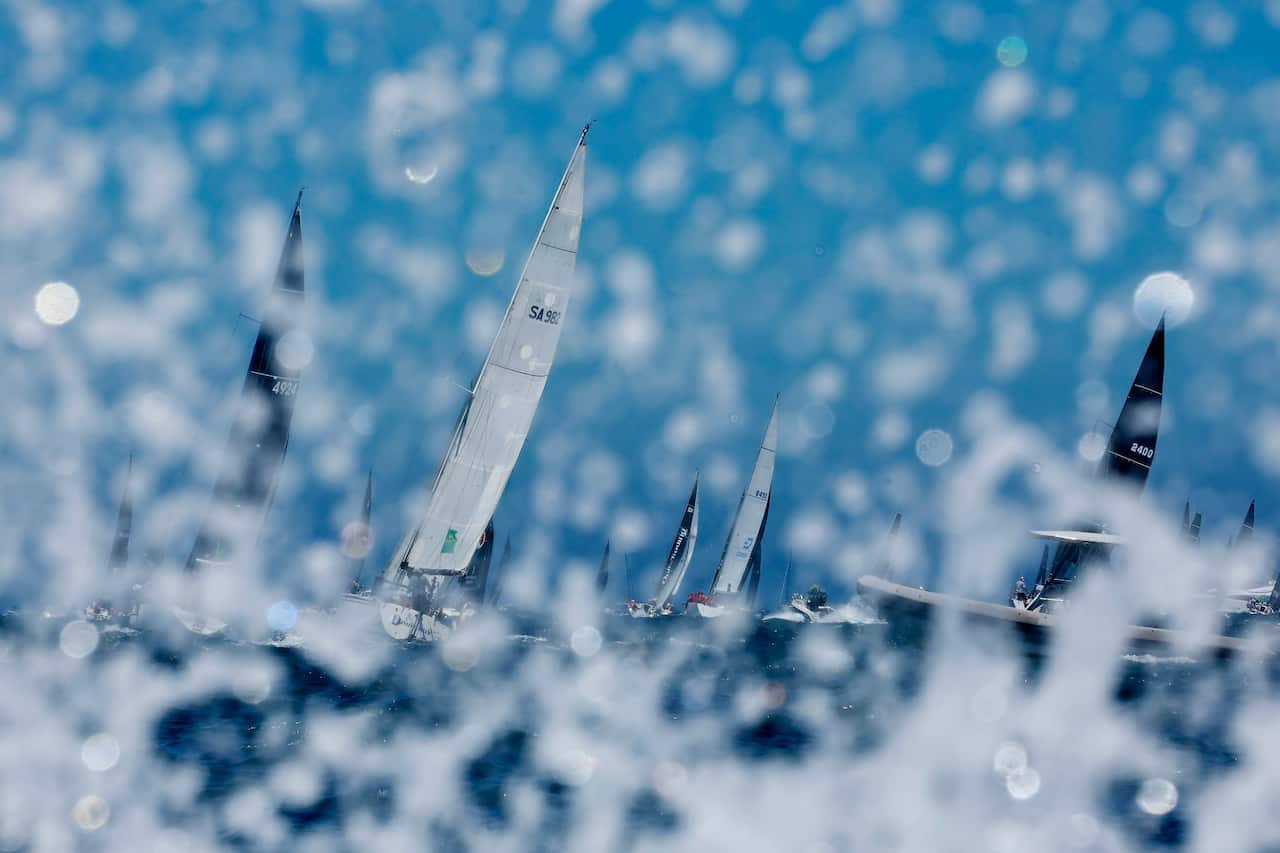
[[450, 541]]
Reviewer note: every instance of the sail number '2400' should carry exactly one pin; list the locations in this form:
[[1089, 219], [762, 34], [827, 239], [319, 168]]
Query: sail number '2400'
[[1144, 452], [546, 315]]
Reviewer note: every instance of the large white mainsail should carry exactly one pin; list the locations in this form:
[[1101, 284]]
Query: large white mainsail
[[748, 521], [497, 415]]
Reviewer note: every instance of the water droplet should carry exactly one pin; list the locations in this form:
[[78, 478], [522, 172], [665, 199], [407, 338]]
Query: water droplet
[[1091, 447], [485, 262], [585, 641], [526, 352], [1012, 51], [57, 303], [78, 639], [357, 540], [934, 447], [282, 616], [100, 752], [294, 350], [1158, 796], [1023, 784], [423, 175], [91, 813], [1163, 293], [1010, 757]]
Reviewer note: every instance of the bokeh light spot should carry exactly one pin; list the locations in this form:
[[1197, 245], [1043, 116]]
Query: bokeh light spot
[[1012, 51], [1163, 293], [934, 447], [78, 639], [57, 303]]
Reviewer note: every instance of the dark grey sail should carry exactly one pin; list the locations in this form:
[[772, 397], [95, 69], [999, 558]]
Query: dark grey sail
[[681, 551], [473, 583], [1132, 447], [358, 548], [1131, 450], [1193, 533], [500, 575], [259, 437], [1186, 517], [1246, 527], [119, 559], [602, 573]]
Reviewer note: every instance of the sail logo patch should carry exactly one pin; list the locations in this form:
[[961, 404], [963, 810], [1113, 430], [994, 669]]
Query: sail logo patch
[[450, 541]]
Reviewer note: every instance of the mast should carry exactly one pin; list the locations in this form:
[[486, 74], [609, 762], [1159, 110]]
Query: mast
[[748, 519], [497, 415], [681, 550], [602, 574], [260, 433], [119, 559], [360, 550]]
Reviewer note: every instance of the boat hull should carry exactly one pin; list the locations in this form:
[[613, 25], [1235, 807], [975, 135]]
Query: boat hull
[[198, 624], [405, 623], [896, 601]]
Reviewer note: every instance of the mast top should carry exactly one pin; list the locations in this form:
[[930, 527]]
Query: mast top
[[298, 203], [585, 128]]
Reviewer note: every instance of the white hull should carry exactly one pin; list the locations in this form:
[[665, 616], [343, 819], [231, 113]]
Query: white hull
[[706, 611], [405, 623], [200, 625]]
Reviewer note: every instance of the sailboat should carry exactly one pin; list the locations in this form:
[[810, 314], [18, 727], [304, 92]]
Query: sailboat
[[602, 573], [357, 539], [492, 427], [678, 557], [741, 555], [1130, 453], [246, 484], [118, 562]]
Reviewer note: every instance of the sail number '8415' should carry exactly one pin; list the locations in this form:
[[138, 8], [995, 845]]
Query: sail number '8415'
[[546, 315]]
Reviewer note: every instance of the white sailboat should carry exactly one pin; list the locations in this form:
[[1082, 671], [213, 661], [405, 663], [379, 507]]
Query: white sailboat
[[731, 581], [492, 427]]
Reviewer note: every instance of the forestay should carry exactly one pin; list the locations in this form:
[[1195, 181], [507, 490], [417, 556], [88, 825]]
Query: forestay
[[496, 418], [748, 521]]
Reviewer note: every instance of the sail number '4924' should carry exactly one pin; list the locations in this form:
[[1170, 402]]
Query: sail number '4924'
[[546, 315], [285, 387]]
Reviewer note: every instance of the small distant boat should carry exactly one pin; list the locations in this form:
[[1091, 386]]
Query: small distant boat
[[678, 558], [738, 574], [111, 612], [602, 573], [492, 427], [259, 439], [360, 537]]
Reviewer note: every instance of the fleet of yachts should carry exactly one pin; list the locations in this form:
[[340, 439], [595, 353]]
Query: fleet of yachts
[[440, 571]]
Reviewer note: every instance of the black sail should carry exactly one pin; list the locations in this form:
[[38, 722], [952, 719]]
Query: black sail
[[260, 433], [473, 584], [1132, 447], [119, 559], [501, 574], [678, 555], [602, 573], [1246, 527]]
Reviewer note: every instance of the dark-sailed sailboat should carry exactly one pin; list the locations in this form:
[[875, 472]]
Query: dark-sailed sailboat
[[500, 575], [357, 539], [1130, 453], [602, 573], [678, 557], [246, 483], [118, 560]]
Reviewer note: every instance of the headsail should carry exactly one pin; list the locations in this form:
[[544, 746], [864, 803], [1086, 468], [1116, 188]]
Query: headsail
[[602, 574], [1043, 574], [260, 434], [886, 566], [497, 416], [1131, 449], [119, 559], [783, 593], [681, 550], [748, 520]]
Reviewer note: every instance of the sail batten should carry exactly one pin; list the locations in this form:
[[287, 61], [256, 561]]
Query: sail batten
[[499, 411], [748, 520]]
